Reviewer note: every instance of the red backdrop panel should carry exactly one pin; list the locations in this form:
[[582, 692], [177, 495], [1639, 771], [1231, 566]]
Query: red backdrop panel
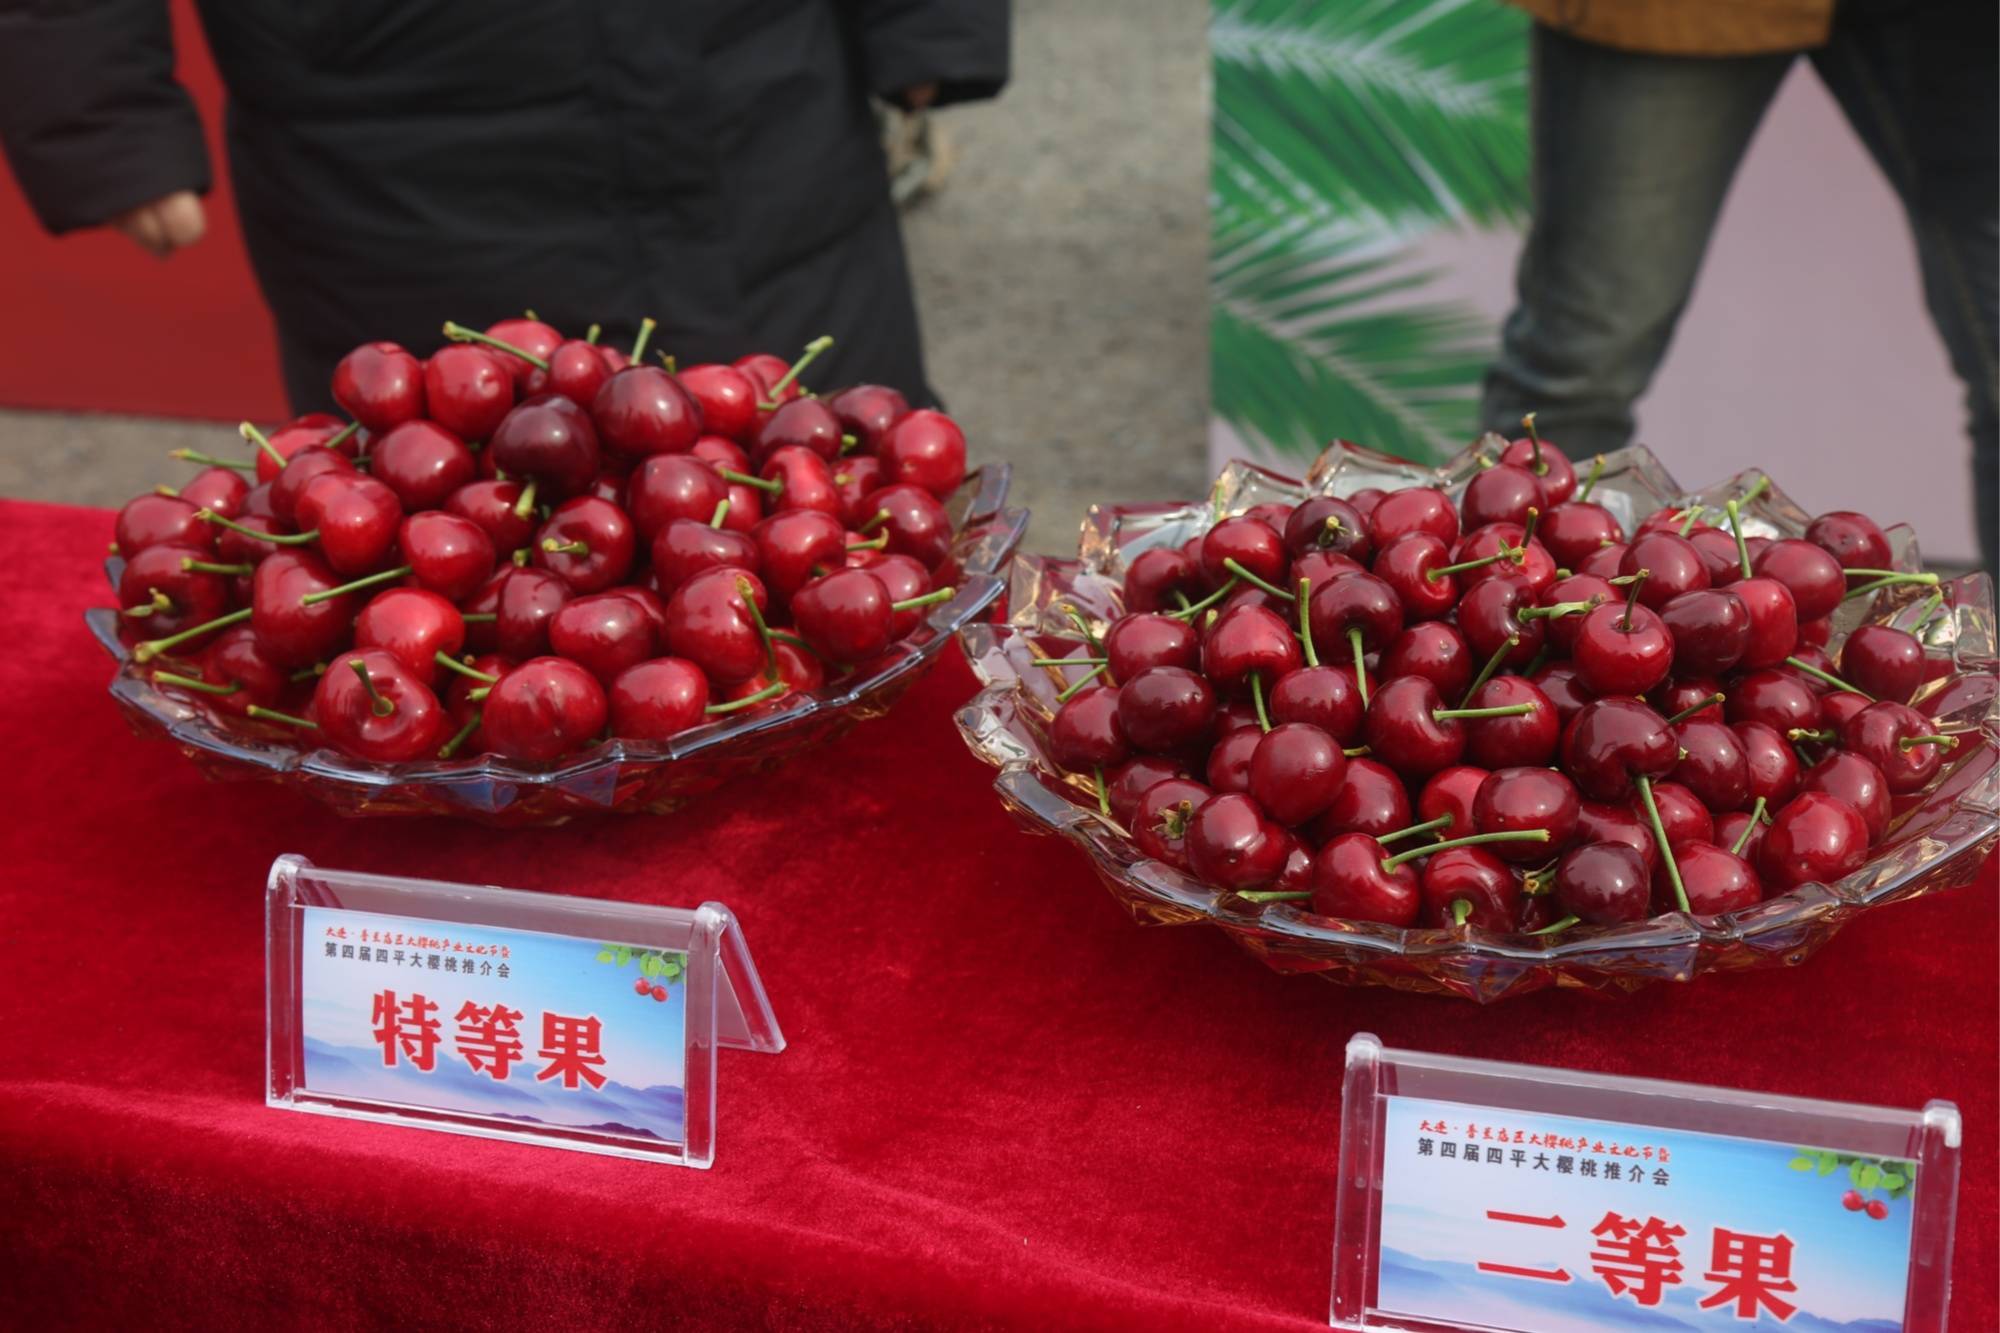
[[95, 323]]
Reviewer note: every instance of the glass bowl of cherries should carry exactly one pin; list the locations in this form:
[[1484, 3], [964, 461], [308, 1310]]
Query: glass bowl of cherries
[[1496, 726], [531, 577]]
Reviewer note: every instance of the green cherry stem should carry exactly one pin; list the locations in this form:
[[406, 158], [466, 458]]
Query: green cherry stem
[[721, 512], [1736, 529], [190, 683], [1828, 677], [479, 617], [1928, 580], [1632, 598], [274, 538], [875, 543], [554, 547], [380, 704], [1076, 618], [1694, 708], [1502, 710], [1274, 895], [1414, 830], [1694, 513], [646, 327], [1103, 794], [1645, 786], [1520, 549], [156, 602], [1743, 838], [257, 437], [1541, 464], [313, 672], [190, 565], [1305, 621], [1357, 751], [450, 663], [372, 580], [1931, 607], [1065, 661], [1753, 490], [1443, 571], [770, 691], [1912, 742], [593, 333], [1557, 927], [1190, 612], [669, 360], [289, 719], [1554, 609], [526, 504], [748, 594], [806, 358], [1069, 691], [1360, 665], [1257, 698], [1512, 642], [458, 333], [1461, 908], [1470, 840], [464, 734], [1822, 737], [880, 517], [931, 598], [209, 460], [745, 479], [1590, 482], [1254, 581], [152, 648]]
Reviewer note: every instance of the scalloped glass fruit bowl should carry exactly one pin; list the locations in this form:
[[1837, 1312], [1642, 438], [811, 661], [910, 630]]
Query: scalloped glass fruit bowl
[[1937, 840], [624, 777]]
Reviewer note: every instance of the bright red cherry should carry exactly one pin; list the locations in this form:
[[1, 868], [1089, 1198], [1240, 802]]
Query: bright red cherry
[[1409, 728], [1773, 764], [1774, 621], [380, 385], [1551, 468], [492, 505], [1248, 641], [1688, 698], [1515, 799], [543, 709], [1575, 530], [1853, 539], [528, 600], [1233, 844], [1449, 795], [1433, 649], [844, 615], [656, 700], [1499, 618], [727, 398], [577, 370], [1502, 493], [1597, 821], [797, 545], [356, 517], [1715, 879], [924, 448], [468, 389], [1857, 783], [645, 410], [412, 626], [1353, 880], [1134, 643], [1469, 886], [1502, 738], [917, 524], [450, 555], [1295, 771], [1414, 509], [1883, 661], [236, 657], [587, 543], [1155, 576], [1126, 783], [1814, 578], [1672, 567], [161, 520], [1775, 699], [713, 621], [174, 590], [1623, 649], [537, 339], [803, 423], [1323, 696], [1815, 837], [666, 487], [1228, 767], [1682, 814], [1900, 741], [605, 633], [1359, 611], [1604, 883], [1251, 543], [369, 704]]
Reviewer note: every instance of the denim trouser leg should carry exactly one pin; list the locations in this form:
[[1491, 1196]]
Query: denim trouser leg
[[1919, 89], [1633, 155]]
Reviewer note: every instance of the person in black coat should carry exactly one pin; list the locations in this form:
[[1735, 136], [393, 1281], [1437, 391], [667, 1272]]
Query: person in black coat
[[714, 164]]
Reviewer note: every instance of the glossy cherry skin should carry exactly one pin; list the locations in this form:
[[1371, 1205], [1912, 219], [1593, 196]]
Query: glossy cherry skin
[[1409, 565], [1435, 650], [356, 517], [1295, 772], [917, 524], [1853, 539], [645, 410], [1401, 728], [1883, 661], [1613, 740], [1855, 781], [1713, 764], [805, 423], [1682, 814], [1154, 576], [1621, 650], [793, 544], [1517, 739], [1349, 882], [1814, 838], [422, 463], [1414, 509], [1358, 601], [1307, 528], [1815, 578], [1451, 791], [236, 657], [449, 555], [313, 430], [657, 699], [685, 547], [1718, 553], [1776, 699], [805, 481], [1565, 691], [577, 370], [1502, 493], [844, 615], [1714, 879], [1574, 530], [1730, 827], [1710, 629], [490, 504], [665, 487], [604, 534], [855, 479], [924, 448], [1125, 784], [550, 440], [1592, 589], [1272, 512], [161, 520], [1318, 568], [468, 389], [413, 727], [1513, 799], [867, 411], [412, 626], [1250, 542], [1490, 892], [710, 622], [542, 709], [1603, 562], [1604, 883], [1246, 641], [1672, 564], [218, 490], [1877, 733], [532, 336], [1548, 464], [798, 672], [1490, 614], [1597, 821], [1676, 694], [1812, 657], [1232, 844], [1773, 764], [726, 396], [1134, 643], [766, 370], [1774, 621], [605, 633], [291, 631], [1160, 823], [905, 579], [1324, 696], [1530, 564], [1228, 767], [1166, 709], [1087, 732], [193, 597], [528, 600], [1371, 799], [380, 385]]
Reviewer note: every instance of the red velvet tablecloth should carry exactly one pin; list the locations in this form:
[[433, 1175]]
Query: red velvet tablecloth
[[1003, 1103]]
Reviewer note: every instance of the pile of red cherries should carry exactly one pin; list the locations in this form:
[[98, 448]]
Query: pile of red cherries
[[1504, 712], [529, 543]]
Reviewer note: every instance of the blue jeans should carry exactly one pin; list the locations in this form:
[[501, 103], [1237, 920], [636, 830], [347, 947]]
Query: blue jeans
[[1632, 157]]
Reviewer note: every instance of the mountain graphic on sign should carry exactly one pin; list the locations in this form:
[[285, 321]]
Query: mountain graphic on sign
[[348, 1071]]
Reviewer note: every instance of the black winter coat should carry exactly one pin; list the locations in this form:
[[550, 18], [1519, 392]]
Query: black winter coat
[[712, 163]]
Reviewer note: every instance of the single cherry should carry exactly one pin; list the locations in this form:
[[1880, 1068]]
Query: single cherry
[[1167, 709], [658, 699], [1160, 824], [1604, 883], [924, 448], [1815, 837], [550, 441], [1435, 650], [1469, 886], [1295, 772], [1857, 783], [543, 709], [1814, 578], [867, 411], [1883, 661], [1514, 799], [1371, 799], [1613, 741], [1126, 783], [645, 410], [716, 621], [380, 385], [369, 704], [1233, 844], [587, 543]]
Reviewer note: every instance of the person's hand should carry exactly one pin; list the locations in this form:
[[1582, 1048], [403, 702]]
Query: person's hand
[[919, 96], [165, 225]]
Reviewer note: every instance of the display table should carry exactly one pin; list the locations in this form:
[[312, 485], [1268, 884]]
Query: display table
[[1003, 1102]]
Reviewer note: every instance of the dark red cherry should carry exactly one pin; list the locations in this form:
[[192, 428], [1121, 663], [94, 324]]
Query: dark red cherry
[[1710, 629], [805, 423], [685, 547], [1622, 649], [1274, 513], [1598, 821], [548, 440], [906, 581], [449, 555], [1233, 844], [1575, 530], [369, 704], [422, 462], [867, 411], [1356, 614], [1160, 824], [1530, 563], [1086, 733], [1324, 696], [412, 626], [1228, 767], [587, 543], [468, 390], [1497, 610], [1435, 650], [1126, 783], [1349, 882], [727, 398], [1712, 765], [1730, 831], [1719, 555], [528, 600], [1814, 838], [1414, 509], [1516, 799], [1774, 622], [1715, 880], [1371, 799], [1403, 728], [1904, 744], [543, 709], [1251, 543], [1246, 641], [1773, 764], [1565, 690], [577, 370], [380, 385], [1855, 781], [796, 543], [1814, 578], [1295, 772], [1604, 883], [924, 448], [1323, 523], [1512, 738], [1810, 667], [712, 620], [1672, 567], [1469, 886], [1154, 576], [1547, 463], [656, 700], [1775, 699], [1502, 493], [1611, 741], [161, 520], [1675, 696], [645, 410], [605, 633], [665, 487], [917, 524], [1316, 569], [1883, 661], [1449, 794], [1365, 500], [1410, 565], [237, 657], [168, 579], [1573, 596], [1853, 539], [1682, 814], [1134, 643], [1603, 562], [1166, 709]]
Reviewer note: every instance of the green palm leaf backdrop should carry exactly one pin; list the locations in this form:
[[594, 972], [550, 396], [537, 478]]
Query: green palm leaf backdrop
[[1345, 131]]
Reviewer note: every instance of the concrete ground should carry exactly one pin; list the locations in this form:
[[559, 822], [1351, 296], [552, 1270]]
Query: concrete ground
[[1061, 275]]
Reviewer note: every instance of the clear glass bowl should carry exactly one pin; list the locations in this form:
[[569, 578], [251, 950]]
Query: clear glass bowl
[[1937, 840], [626, 777]]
